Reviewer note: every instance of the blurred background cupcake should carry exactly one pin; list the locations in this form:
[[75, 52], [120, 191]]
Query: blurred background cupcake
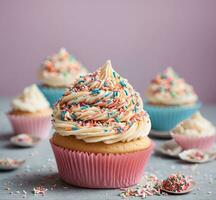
[[101, 132], [57, 73], [195, 132], [31, 113], [170, 100]]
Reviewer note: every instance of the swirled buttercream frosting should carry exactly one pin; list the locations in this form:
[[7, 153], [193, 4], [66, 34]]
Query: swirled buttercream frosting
[[60, 70], [195, 126], [101, 107], [168, 88], [30, 100]]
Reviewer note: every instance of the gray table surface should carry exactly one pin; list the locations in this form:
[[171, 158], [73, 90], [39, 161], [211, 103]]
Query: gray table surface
[[40, 169]]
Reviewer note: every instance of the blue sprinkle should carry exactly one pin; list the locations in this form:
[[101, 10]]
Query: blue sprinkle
[[106, 95], [105, 130], [114, 74], [126, 92], [95, 91], [80, 81], [122, 83]]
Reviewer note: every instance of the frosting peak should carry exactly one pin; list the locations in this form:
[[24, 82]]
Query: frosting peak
[[168, 88], [196, 125], [60, 70], [107, 70], [101, 107], [30, 100]]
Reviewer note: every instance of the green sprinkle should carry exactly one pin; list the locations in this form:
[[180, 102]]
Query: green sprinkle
[[75, 128], [114, 74], [110, 114], [115, 94], [84, 107], [162, 89], [95, 91], [122, 83], [119, 129], [63, 115], [117, 119], [172, 94], [109, 101], [105, 84], [65, 73], [163, 76], [135, 109], [73, 116], [105, 130]]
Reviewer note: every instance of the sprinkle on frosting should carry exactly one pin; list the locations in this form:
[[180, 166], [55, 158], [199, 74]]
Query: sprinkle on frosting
[[100, 109], [60, 70], [30, 100], [169, 89], [196, 126]]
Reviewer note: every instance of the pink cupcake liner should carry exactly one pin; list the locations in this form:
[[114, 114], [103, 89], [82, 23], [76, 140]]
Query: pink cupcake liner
[[38, 126], [189, 142], [97, 170]]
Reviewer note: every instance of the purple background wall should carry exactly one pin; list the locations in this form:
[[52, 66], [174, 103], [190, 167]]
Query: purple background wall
[[141, 37]]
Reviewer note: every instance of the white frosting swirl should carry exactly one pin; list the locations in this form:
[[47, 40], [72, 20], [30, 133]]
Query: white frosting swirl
[[101, 107], [169, 89], [195, 126], [30, 100], [60, 70]]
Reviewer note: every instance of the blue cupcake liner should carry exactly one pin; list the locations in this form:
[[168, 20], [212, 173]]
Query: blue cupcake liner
[[52, 94], [167, 117]]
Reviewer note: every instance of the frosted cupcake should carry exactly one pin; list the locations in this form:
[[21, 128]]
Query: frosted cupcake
[[57, 73], [101, 132], [170, 100], [31, 113], [195, 132]]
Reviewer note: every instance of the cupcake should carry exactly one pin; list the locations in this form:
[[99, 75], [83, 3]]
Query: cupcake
[[101, 129], [195, 132], [31, 113], [57, 73], [170, 100]]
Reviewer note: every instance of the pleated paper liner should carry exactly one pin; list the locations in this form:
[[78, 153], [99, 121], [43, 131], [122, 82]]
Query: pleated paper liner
[[165, 118], [190, 142], [38, 126], [96, 170]]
